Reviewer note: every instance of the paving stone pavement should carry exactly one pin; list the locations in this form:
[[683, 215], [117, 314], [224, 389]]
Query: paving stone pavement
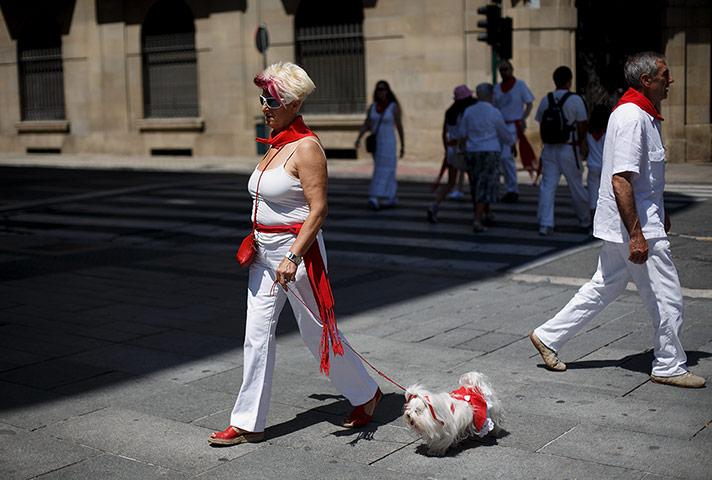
[[122, 369]]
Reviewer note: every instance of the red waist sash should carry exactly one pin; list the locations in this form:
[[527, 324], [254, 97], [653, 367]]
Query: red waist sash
[[319, 281], [526, 153]]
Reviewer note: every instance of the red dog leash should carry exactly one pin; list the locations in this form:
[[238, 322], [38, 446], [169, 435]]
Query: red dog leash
[[346, 343]]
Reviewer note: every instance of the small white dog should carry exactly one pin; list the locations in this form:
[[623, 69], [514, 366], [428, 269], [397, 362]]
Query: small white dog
[[445, 419]]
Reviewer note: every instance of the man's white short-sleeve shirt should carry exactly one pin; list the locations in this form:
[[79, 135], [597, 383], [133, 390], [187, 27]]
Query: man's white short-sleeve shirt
[[633, 144], [511, 104]]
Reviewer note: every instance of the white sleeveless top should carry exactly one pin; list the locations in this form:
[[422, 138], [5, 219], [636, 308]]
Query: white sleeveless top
[[282, 200]]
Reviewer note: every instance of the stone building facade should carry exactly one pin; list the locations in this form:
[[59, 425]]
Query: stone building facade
[[146, 77]]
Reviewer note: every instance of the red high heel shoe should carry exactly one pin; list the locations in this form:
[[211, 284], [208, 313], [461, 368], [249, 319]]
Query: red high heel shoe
[[358, 416]]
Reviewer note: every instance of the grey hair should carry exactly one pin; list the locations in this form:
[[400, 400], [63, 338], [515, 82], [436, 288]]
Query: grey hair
[[484, 90], [640, 63]]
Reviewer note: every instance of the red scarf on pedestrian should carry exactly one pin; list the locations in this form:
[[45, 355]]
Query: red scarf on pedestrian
[[319, 281], [508, 84], [296, 130], [382, 105], [634, 96]]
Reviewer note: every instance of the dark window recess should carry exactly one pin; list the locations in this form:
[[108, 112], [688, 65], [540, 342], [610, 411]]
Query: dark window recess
[[340, 153], [172, 152], [40, 72], [170, 76], [43, 151], [333, 55]]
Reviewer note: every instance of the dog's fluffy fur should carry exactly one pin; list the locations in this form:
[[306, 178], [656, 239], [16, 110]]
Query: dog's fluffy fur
[[457, 415]]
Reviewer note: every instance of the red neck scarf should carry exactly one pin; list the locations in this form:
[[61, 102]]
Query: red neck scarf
[[381, 106], [634, 96], [508, 84], [597, 134], [296, 130]]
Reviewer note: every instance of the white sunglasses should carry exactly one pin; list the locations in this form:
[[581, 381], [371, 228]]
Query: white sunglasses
[[273, 103]]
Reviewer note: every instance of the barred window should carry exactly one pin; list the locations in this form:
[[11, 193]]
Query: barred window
[[170, 77], [41, 78], [331, 49]]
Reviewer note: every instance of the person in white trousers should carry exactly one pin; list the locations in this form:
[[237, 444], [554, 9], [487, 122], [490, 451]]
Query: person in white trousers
[[630, 219], [514, 99], [288, 188], [564, 158]]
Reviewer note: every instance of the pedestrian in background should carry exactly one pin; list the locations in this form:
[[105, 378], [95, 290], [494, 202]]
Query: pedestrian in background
[[482, 132], [288, 188], [514, 100], [564, 157], [463, 98], [382, 115], [595, 139], [632, 222]]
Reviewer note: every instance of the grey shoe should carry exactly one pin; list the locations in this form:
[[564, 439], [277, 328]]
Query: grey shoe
[[686, 380], [545, 231], [433, 213], [551, 360]]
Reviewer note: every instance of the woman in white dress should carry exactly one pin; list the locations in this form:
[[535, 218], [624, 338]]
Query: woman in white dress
[[383, 114]]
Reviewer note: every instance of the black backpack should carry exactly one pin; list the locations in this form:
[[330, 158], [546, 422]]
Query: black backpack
[[553, 127]]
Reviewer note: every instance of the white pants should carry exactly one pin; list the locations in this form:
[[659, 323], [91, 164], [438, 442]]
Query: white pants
[[556, 160], [346, 372], [508, 165], [658, 287], [593, 183]]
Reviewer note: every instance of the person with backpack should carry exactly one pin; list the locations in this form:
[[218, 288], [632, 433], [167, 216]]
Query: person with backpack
[[562, 125]]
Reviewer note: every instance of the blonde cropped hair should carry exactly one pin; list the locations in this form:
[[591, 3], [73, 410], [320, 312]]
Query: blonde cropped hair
[[285, 80]]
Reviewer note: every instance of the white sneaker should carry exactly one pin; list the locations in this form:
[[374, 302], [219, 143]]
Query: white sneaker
[[455, 194]]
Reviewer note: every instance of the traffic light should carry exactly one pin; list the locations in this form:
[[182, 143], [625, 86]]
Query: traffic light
[[491, 24], [504, 49], [498, 30]]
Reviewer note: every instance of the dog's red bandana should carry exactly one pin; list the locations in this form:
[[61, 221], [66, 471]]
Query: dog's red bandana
[[477, 402]]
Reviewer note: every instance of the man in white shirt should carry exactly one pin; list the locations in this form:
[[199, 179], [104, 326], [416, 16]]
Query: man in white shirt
[[631, 221], [563, 158], [482, 132], [514, 100]]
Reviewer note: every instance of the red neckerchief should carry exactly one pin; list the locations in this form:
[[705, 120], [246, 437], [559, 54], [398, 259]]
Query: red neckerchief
[[473, 396], [296, 130], [634, 96], [508, 84], [319, 281], [597, 134], [381, 106]]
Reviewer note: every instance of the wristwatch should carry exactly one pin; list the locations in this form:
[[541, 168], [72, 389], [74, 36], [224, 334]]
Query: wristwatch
[[294, 258]]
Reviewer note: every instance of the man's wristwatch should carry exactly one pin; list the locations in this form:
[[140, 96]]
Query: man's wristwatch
[[294, 258]]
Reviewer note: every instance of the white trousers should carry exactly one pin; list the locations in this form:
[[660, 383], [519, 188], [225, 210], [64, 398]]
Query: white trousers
[[346, 372], [658, 287], [508, 165], [593, 183], [557, 160]]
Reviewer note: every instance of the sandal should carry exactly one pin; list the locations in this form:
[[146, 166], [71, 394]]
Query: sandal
[[358, 416], [233, 436], [478, 227]]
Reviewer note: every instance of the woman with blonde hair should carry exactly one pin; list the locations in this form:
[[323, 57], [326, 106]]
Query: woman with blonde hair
[[288, 188]]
